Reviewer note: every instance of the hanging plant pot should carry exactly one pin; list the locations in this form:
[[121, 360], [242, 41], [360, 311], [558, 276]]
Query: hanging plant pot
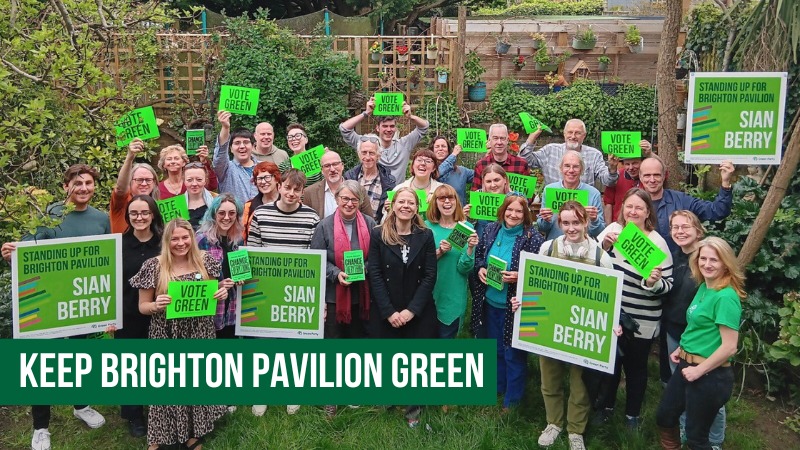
[[501, 47], [413, 85], [602, 67], [376, 57], [517, 67], [637, 48], [537, 45], [583, 45], [402, 58], [431, 54], [442, 77], [477, 93], [546, 67]]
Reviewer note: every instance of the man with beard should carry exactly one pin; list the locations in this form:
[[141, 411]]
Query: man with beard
[[265, 150], [628, 178], [321, 197], [497, 144]]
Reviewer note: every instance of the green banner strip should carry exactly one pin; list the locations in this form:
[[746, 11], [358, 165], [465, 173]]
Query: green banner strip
[[239, 100], [140, 123], [388, 104], [471, 139]]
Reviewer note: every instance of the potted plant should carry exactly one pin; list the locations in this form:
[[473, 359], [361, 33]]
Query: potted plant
[[519, 62], [402, 53], [503, 43], [538, 40], [432, 50], [414, 74], [476, 89], [547, 63], [604, 62], [441, 74], [634, 39], [584, 39], [376, 51]]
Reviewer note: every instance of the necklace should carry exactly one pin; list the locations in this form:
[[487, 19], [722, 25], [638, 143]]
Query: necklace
[[414, 185]]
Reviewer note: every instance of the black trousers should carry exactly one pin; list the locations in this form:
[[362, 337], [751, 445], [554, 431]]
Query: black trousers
[[701, 399], [41, 415], [352, 330], [136, 327], [634, 362]]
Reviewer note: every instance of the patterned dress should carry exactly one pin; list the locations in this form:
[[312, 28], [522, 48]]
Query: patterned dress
[[172, 424]]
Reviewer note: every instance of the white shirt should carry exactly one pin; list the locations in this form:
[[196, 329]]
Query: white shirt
[[330, 201]]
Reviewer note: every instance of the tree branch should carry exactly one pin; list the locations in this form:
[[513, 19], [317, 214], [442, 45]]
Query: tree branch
[[19, 71], [100, 13], [66, 20]]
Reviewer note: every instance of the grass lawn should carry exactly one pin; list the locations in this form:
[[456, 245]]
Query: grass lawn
[[462, 427]]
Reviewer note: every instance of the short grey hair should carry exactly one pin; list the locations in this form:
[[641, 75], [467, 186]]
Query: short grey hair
[[354, 187], [583, 125], [573, 153], [370, 135], [498, 125], [150, 169]]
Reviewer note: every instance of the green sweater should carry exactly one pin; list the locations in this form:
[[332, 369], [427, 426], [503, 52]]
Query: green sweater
[[89, 222], [450, 292]]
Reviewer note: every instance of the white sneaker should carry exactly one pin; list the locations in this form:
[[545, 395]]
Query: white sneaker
[[259, 410], [91, 417], [41, 439], [549, 435], [292, 409], [353, 406], [231, 409], [576, 442]]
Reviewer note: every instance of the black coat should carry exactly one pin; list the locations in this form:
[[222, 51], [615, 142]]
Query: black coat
[[395, 286]]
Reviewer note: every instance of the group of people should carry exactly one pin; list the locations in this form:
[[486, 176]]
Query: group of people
[[417, 283]]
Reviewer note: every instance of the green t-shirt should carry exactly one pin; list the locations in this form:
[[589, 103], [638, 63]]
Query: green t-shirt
[[708, 311]]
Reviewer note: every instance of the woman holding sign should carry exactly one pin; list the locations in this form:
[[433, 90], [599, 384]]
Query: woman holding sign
[[641, 297], [499, 247], [220, 234], [449, 172], [495, 181], [456, 258], [424, 171], [703, 381], [180, 261]]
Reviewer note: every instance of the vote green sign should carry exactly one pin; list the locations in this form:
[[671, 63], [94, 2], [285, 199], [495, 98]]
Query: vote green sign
[[239, 263], [554, 198], [735, 116], [194, 140], [140, 123], [522, 183], [569, 311], [308, 162], [173, 207], [624, 144], [471, 139], [66, 287], [286, 296], [643, 254], [388, 104], [531, 123], [354, 265], [239, 100], [484, 206], [191, 299]]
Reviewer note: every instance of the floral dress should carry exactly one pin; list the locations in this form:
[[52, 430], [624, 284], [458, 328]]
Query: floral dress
[[171, 424]]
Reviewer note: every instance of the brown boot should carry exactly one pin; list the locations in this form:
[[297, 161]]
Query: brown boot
[[670, 438]]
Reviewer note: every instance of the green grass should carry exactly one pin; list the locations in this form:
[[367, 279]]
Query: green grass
[[463, 427]]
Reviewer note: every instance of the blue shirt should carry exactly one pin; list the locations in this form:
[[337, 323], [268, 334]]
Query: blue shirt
[[502, 248], [595, 199], [232, 177], [457, 179], [673, 201]]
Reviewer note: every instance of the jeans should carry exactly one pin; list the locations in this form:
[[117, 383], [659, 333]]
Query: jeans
[[449, 331], [701, 399], [634, 362], [717, 434], [512, 363]]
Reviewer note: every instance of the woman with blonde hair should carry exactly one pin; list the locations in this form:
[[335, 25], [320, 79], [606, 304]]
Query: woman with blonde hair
[[703, 381], [180, 260]]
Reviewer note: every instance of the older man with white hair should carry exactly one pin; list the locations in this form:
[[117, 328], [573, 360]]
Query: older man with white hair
[[376, 178], [498, 153]]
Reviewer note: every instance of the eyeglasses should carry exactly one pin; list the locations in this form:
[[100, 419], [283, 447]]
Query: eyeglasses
[[446, 198], [143, 214], [295, 137], [264, 178], [346, 200], [328, 166], [681, 227], [425, 160], [194, 165], [226, 213], [373, 139], [144, 180]]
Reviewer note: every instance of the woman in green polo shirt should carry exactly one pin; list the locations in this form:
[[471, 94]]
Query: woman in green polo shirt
[[703, 382]]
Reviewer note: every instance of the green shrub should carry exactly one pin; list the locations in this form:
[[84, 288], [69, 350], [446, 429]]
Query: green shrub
[[547, 8]]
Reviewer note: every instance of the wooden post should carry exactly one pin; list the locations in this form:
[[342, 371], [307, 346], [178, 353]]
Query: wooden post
[[457, 56]]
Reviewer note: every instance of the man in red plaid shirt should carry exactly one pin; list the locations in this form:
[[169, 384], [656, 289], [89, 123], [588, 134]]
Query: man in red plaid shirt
[[498, 153]]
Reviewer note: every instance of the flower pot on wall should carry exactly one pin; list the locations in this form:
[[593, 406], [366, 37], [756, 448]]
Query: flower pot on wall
[[376, 57], [602, 67], [502, 48], [431, 54], [537, 45], [442, 77], [583, 45], [477, 93], [637, 48], [546, 67], [402, 58]]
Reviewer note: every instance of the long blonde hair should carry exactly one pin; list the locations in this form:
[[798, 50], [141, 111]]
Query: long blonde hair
[[195, 256], [389, 233], [733, 275]]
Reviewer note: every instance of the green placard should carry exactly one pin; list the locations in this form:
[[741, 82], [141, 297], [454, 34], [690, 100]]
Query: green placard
[[192, 299], [554, 198], [624, 144], [568, 312], [390, 195], [388, 104], [140, 123], [239, 263], [422, 197], [494, 269], [642, 253], [194, 140], [239, 100], [531, 123], [484, 205], [286, 296], [308, 162], [522, 183], [173, 207], [65, 287], [354, 265], [471, 139], [735, 116], [460, 234]]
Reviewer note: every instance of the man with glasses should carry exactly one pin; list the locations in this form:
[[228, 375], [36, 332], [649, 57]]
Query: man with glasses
[[394, 152], [297, 138], [498, 153], [133, 180], [235, 175], [265, 150], [320, 195], [376, 179]]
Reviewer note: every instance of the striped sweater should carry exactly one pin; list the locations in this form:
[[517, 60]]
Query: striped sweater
[[270, 226], [641, 302]]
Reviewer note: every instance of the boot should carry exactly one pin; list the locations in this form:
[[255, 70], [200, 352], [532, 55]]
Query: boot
[[670, 438]]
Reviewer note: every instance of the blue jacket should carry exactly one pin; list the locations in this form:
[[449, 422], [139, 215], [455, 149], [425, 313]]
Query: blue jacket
[[595, 228], [673, 201], [458, 180]]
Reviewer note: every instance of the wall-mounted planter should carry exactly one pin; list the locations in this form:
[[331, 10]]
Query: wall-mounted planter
[[477, 93], [602, 67], [442, 77], [546, 67], [501, 48], [376, 57], [431, 54], [637, 48], [583, 45]]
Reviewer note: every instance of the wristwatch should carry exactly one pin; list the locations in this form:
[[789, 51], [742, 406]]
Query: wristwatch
[[365, 114]]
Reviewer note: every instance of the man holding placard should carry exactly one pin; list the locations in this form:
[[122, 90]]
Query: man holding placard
[[570, 188], [265, 150], [498, 153], [628, 178], [307, 161], [320, 196], [373, 176], [394, 152], [234, 175]]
